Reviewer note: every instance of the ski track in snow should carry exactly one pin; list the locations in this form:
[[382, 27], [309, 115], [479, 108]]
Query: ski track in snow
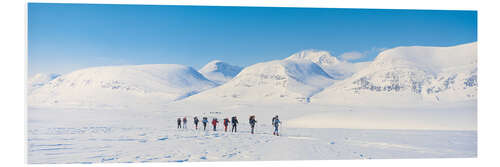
[[153, 137]]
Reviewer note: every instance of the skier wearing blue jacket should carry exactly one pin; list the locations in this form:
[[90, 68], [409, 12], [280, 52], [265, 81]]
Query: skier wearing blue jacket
[[276, 123], [205, 121]]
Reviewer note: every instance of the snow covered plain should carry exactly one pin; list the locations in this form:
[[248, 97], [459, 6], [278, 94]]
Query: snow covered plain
[[150, 135], [410, 102]]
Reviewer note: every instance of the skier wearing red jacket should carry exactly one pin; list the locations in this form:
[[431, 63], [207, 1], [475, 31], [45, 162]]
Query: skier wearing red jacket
[[226, 123], [214, 123]]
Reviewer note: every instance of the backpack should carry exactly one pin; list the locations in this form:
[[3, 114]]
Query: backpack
[[252, 120], [276, 122]]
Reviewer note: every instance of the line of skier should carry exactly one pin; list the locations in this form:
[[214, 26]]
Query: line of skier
[[234, 122]]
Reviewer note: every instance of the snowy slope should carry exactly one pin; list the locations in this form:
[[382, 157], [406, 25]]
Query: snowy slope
[[338, 69], [279, 80], [39, 80], [219, 72], [410, 75], [121, 86]]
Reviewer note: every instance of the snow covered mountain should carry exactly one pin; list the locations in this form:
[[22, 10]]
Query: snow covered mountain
[[220, 72], [398, 76], [336, 68], [39, 80], [408, 75], [121, 86], [279, 80]]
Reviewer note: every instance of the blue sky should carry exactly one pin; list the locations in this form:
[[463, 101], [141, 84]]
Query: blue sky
[[66, 37]]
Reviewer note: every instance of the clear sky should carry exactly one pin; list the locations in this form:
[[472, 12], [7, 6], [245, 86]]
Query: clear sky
[[66, 37]]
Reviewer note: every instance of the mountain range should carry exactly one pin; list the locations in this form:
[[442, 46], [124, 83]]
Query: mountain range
[[398, 76]]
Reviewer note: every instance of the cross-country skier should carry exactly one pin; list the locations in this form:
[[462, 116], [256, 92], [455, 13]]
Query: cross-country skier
[[214, 123], [276, 123], [234, 122], [252, 122], [196, 122], [178, 123], [226, 123], [184, 121], [205, 121]]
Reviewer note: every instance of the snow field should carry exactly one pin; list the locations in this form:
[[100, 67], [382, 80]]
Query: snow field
[[152, 136]]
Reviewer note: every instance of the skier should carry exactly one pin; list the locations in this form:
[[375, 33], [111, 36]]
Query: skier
[[178, 123], [184, 121], [252, 122], [276, 123], [196, 122], [226, 123], [234, 122], [205, 121], [214, 123]]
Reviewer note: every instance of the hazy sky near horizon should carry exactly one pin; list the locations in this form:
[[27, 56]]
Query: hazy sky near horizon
[[66, 37]]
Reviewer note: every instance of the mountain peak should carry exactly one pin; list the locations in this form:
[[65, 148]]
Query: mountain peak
[[219, 71], [336, 68], [319, 57], [215, 62], [430, 59]]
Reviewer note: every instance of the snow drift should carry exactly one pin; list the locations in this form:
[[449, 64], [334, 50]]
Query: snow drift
[[121, 86]]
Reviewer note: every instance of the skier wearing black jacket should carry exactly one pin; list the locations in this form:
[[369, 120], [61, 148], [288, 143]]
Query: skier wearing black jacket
[[234, 122], [178, 122], [196, 122], [252, 122]]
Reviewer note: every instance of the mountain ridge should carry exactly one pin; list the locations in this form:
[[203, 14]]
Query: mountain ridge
[[219, 71], [121, 85], [416, 74]]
